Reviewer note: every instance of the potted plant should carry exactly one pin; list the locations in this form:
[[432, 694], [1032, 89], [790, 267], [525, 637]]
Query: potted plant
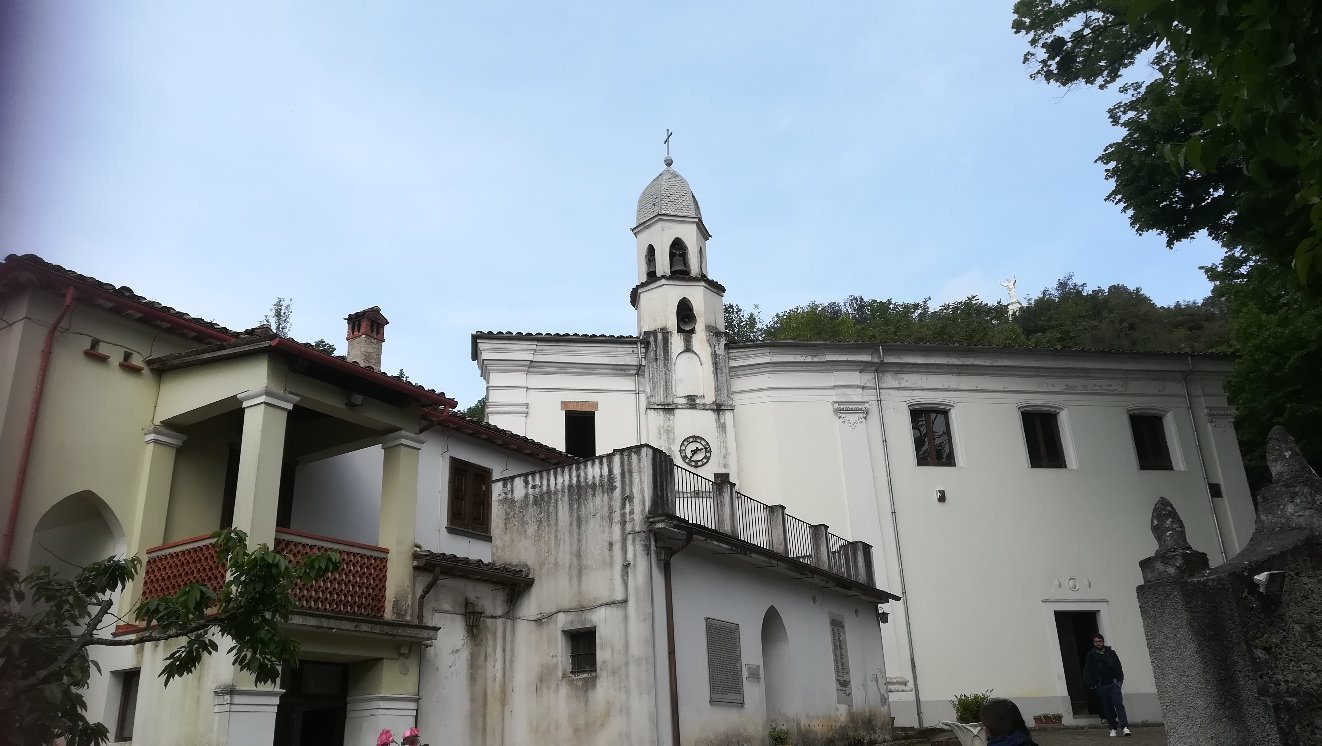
[[1048, 719], [968, 708]]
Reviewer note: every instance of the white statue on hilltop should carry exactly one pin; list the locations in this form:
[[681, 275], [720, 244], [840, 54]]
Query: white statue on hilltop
[[1014, 304]]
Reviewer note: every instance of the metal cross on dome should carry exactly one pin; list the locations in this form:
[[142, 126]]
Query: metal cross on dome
[[667, 141]]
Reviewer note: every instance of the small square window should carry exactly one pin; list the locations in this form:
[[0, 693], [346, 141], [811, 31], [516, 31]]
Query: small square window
[[933, 443], [470, 497], [128, 704], [1042, 437], [582, 652], [1150, 441]]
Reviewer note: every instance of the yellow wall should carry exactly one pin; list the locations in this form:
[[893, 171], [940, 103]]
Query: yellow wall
[[199, 477]]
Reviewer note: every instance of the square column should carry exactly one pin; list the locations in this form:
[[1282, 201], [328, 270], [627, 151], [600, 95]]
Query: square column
[[399, 507], [367, 714], [148, 527], [246, 716], [261, 458]]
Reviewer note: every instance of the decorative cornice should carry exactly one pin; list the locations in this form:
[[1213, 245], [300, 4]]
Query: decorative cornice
[[266, 395], [507, 407], [408, 440], [1221, 418], [162, 435], [852, 414]]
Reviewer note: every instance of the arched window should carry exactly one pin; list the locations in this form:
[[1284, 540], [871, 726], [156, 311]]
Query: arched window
[[685, 320], [679, 258], [650, 259]]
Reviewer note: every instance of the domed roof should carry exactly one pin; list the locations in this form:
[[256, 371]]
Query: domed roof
[[668, 194]]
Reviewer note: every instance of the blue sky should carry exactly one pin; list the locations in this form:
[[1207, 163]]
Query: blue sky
[[475, 166]]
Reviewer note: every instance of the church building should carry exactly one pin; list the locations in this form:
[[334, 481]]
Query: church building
[[1005, 491]]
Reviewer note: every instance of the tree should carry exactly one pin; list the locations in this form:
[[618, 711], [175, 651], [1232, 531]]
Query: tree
[[741, 325], [48, 623], [1224, 135], [322, 345], [281, 317], [1275, 334], [477, 410]]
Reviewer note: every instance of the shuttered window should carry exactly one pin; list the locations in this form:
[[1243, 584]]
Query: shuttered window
[[840, 654], [470, 496], [724, 663]]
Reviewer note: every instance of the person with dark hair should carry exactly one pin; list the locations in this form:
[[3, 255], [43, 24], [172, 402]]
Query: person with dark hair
[[1005, 724], [1103, 674]]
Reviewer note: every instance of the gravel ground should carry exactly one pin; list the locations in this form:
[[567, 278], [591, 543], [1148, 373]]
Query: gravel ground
[[1143, 736]]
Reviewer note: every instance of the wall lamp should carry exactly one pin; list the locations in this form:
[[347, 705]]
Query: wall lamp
[[472, 615]]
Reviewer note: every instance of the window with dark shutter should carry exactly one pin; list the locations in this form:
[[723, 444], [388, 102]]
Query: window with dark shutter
[[724, 663], [1042, 437], [470, 497], [840, 655], [582, 652], [1150, 441], [128, 704], [933, 443]]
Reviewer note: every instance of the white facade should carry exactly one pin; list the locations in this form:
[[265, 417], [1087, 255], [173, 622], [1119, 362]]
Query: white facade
[[991, 554]]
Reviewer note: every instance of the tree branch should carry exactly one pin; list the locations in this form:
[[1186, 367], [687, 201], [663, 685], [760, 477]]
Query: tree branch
[[78, 645]]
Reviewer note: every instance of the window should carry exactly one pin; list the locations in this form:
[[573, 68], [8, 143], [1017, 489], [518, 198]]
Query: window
[[128, 705], [1150, 441], [581, 434], [840, 655], [470, 497], [724, 663], [1042, 436], [582, 652], [933, 443], [649, 258]]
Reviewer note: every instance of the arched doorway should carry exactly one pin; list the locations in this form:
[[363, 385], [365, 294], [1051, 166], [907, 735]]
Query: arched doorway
[[75, 532], [776, 676]]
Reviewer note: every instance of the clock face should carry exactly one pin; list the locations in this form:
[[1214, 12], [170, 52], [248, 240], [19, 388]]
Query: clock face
[[695, 450]]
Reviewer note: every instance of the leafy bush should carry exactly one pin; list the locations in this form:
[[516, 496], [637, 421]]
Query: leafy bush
[[968, 707], [779, 735]]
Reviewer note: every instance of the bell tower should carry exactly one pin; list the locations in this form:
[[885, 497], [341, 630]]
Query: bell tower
[[681, 317]]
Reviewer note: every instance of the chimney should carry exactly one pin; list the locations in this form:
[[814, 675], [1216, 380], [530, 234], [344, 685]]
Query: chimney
[[367, 332]]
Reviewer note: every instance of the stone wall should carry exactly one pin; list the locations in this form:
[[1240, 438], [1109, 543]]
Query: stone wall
[[1237, 650]]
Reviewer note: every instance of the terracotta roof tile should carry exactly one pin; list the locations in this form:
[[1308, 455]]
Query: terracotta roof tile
[[453, 561]]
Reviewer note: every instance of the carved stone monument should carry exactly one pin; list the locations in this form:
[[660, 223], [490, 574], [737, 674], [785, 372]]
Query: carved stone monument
[[1237, 649]]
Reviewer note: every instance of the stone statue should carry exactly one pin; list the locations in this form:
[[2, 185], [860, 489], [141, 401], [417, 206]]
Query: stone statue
[[1175, 558], [1009, 286], [1293, 500]]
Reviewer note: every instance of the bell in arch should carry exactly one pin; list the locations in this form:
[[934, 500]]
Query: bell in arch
[[679, 258]]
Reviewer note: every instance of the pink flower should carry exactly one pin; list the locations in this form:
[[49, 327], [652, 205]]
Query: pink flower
[[385, 738], [411, 732]]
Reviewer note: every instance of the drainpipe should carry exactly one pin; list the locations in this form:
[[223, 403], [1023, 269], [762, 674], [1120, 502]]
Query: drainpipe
[[899, 556], [1202, 465], [16, 499], [664, 553]]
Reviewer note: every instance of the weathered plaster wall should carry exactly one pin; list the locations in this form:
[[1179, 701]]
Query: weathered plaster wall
[[580, 528], [707, 585]]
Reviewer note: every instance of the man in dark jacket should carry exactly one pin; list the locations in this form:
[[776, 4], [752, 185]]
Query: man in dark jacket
[[1103, 674]]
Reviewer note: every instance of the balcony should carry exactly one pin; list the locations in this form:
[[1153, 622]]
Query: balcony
[[718, 506], [357, 589]]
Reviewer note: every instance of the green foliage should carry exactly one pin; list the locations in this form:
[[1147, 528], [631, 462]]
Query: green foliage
[[857, 319], [778, 734], [48, 622], [477, 410], [968, 707], [322, 345], [1276, 334], [1223, 133], [741, 325], [281, 317]]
